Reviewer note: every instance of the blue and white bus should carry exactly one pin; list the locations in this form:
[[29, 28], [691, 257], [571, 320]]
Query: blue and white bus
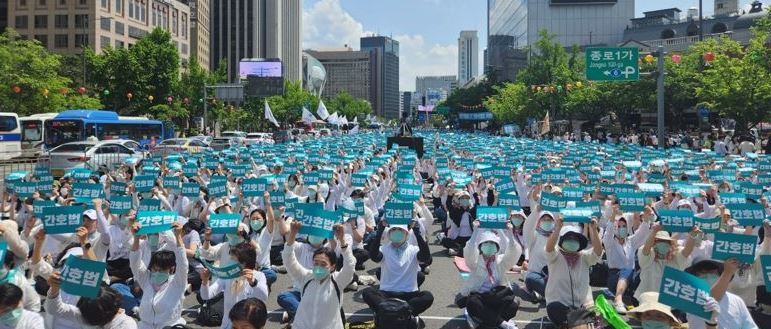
[[79, 125], [10, 136]]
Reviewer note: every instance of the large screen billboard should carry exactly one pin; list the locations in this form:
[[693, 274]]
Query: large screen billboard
[[263, 69]]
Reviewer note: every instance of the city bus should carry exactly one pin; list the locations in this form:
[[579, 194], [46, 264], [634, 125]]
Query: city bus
[[32, 128], [79, 125], [10, 136]]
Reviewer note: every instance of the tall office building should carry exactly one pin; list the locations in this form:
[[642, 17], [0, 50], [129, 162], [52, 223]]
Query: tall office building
[[440, 86], [384, 52], [349, 71], [66, 27], [468, 56], [257, 29], [199, 32], [513, 25], [406, 102], [3, 15]]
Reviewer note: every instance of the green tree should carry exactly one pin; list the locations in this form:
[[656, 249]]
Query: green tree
[[345, 104], [509, 103], [191, 85]]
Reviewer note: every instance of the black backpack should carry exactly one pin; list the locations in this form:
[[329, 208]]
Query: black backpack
[[337, 292], [212, 311], [394, 313]]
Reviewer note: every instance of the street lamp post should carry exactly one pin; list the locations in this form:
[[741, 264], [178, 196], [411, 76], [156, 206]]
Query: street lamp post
[[701, 22], [85, 42]]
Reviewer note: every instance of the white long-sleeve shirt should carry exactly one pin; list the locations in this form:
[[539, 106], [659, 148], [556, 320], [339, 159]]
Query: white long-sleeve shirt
[[506, 258], [60, 310], [320, 305], [621, 256], [161, 308], [28, 320], [235, 291]]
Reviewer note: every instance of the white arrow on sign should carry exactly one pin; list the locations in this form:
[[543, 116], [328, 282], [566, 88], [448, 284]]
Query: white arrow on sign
[[606, 72]]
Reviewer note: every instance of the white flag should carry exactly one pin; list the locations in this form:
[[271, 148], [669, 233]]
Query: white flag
[[269, 114], [308, 117], [322, 111], [356, 120], [333, 119], [354, 130], [343, 120]]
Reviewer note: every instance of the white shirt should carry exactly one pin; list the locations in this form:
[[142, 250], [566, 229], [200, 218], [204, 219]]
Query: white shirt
[[120, 241], [235, 291], [28, 320], [569, 286], [652, 269], [733, 315], [60, 310], [161, 308], [399, 268], [621, 256], [263, 241]]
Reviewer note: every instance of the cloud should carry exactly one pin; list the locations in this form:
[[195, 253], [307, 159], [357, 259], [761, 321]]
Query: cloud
[[327, 25]]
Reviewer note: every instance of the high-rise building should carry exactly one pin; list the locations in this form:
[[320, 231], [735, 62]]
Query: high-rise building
[[384, 53], [200, 47], [513, 25], [3, 15], [66, 27], [257, 29], [406, 102], [441, 85], [349, 71], [468, 56]]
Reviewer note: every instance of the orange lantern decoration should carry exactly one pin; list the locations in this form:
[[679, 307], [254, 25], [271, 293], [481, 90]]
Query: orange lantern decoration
[[709, 56], [129, 96], [16, 90], [569, 87], [82, 90], [64, 91], [169, 99], [649, 58], [677, 58]]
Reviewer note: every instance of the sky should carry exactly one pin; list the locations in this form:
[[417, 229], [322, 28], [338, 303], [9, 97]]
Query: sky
[[427, 30]]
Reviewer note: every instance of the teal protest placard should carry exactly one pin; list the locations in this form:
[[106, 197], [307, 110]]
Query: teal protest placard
[[684, 291], [753, 191], [85, 192], [277, 198], [190, 169], [651, 189], [45, 185], [80, 173], [217, 189], [251, 187], [171, 182], [398, 213], [210, 163], [231, 271], [732, 198], [708, 225], [155, 221], [748, 214], [3, 250], [573, 193], [631, 202], [239, 170], [39, 205], [765, 263], [405, 179], [576, 215], [552, 202], [191, 190], [149, 205], [326, 174], [144, 183], [118, 188], [623, 188], [493, 217], [411, 192], [676, 220], [504, 184], [289, 207], [594, 205], [82, 277], [311, 178], [120, 205], [510, 199], [358, 180], [224, 223], [65, 219], [319, 222], [25, 189], [739, 246]]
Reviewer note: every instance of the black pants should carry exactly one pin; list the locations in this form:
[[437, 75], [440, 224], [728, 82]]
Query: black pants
[[275, 255], [419, 301], [119, 269], [489, 310], [361, 256], [458, 243]]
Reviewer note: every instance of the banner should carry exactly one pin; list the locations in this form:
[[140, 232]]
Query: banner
[[82, 277], [577, 215], [224, 223], [552, 202], [739, 246], [708, 225], [317, 221], [748, 214], [410, 191], [65, 219], [398, 213], [732, 198], [510, 199], [144, 183], [85, 192], [25, 189], [149, 205], [631, 202], [231, 271], [217, 189], [117, 188], [120, 205], [190, 169], [676, 221], [684, 292], [594, 205], [155, 221], [171, 182], [753, 191], [493, 217], [573, 193]]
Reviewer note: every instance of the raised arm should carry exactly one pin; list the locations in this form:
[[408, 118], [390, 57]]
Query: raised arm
[[424, 253], [646, 249], [374, 246], [594, 237], [551, 243], [293, 267], [349, 262]]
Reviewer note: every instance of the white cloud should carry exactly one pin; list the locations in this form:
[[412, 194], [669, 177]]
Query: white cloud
[[327, 25]]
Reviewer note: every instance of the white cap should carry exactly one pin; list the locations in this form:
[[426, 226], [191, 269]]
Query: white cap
[[90, 213]]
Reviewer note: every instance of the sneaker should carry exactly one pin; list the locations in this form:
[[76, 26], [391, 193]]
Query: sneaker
[[452, 252], [188, 289], [353, 286], [367, 280], [509, 324], [285, 317], [427, 270], [621, 308]]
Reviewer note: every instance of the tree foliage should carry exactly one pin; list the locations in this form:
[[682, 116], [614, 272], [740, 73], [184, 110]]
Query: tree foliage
[[345, 104]]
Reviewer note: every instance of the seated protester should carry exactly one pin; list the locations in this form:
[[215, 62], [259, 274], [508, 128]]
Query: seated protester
[[11, 270], [120, 242], [486, 295], [568, 286], [12, 313], [104, 311], [399, 264], [163, 282], [620, 247], [261, 234], [729, 310], [654, 315], [321, 297], [221, 253], [192, 240], [517, 219], [538, 227], [462, 212], [658, 252], [355, 228], [250, 313], [251, 283]]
